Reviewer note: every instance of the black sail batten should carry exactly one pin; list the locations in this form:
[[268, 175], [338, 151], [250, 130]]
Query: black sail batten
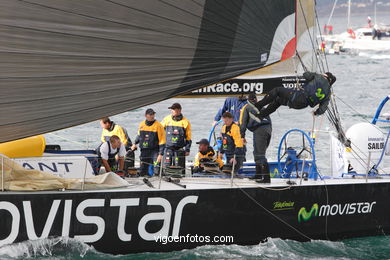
[[65, 63]]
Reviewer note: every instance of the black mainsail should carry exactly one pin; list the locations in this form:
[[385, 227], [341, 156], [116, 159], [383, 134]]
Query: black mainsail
[[65, 62], [289, 50]]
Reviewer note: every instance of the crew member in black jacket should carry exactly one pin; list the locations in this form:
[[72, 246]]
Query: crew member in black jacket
[[316, 90], [262, 130]]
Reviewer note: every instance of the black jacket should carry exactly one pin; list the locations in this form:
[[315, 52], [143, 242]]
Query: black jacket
[[317, 90], [248, 122]]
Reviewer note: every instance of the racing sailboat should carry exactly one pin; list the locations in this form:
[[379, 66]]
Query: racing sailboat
[[373, 37], [65, 63]]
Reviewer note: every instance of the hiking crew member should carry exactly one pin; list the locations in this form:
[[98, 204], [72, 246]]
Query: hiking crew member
[[107, 153], [316, 91], [151, 140], [110, 129], [262, 130], [206, 154], [178, 137], [232, 105], [232, 145]]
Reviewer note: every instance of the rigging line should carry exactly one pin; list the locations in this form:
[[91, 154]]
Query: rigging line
[[300, 60], [363, 161], [272, 214], [334, 117], [331, 13], [317, 43], [352, 108], [310, 36], [327, 202], [319, 30], [320, 54], [296, 72], [363, 115]]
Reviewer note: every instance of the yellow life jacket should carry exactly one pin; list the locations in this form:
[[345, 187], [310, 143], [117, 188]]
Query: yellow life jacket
[[210, 154], [178, 133], [231, 139], [118, 131], [151, 136]]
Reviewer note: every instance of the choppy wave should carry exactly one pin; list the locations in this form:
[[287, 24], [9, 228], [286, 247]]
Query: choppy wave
[[375, 56], [50, 248], [359, 248]]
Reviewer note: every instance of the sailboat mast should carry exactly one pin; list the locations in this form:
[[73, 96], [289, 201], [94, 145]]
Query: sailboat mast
[[349, 15], [331, 13]]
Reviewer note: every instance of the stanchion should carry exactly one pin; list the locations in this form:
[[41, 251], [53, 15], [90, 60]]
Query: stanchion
[[85, 172], [368, 166], [233, 170], [2, 173], [160, 172]]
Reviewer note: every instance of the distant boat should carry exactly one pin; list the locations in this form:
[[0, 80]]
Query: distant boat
[[372, 37]]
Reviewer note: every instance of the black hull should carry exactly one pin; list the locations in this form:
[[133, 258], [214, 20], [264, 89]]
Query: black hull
[[249, 215]]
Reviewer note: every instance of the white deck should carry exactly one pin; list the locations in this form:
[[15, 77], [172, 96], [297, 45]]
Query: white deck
[[225, 183], [204, 183]]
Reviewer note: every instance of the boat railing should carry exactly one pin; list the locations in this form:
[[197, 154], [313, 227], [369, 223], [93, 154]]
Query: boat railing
[[378, 112]]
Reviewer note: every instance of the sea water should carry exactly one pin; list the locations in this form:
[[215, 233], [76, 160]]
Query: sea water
[[273, 248], [363, 80]]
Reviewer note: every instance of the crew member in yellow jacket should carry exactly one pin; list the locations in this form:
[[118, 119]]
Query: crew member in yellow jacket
[[232, 145], [178, 137], [151, 140], [206, 153], [109, 129]]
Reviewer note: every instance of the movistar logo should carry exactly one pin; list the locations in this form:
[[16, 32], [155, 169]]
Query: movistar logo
[[320, 95], [305, 215], [335, 210]]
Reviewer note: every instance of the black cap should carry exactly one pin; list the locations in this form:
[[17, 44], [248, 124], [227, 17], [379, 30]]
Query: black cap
[[203, 141], [252, 97], [175, 106], [331, 78], [150, 111]]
